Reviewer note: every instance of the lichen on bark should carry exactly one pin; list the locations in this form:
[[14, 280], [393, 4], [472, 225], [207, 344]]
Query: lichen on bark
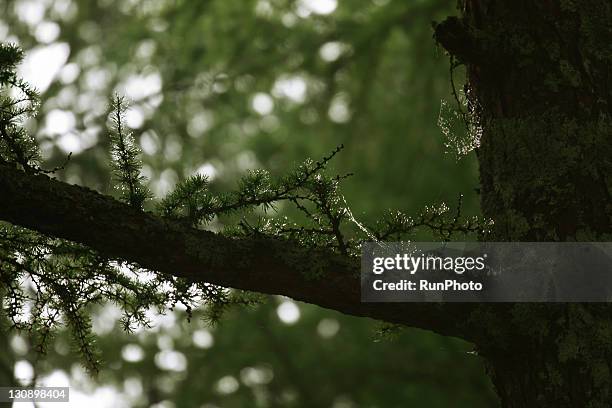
[[539, 74]]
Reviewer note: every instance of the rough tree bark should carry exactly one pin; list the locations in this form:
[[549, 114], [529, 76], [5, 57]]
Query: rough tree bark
[[539, 82]]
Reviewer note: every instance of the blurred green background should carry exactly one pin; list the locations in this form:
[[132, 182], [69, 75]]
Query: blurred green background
[[222, 86]]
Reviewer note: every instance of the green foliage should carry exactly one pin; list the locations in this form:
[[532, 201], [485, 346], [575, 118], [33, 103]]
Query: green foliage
[[125, 158], [51, 282], [306, 187], [443, 221], [190, 200], [17, 102]]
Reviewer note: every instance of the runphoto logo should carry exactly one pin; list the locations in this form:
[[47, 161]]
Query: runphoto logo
[[428, 262]]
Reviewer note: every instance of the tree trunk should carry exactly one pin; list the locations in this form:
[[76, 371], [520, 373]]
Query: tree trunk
[[551, 356], [539, 85]]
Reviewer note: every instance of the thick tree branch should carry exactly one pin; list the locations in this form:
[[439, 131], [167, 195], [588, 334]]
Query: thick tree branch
[[258, 264], [467, 44]]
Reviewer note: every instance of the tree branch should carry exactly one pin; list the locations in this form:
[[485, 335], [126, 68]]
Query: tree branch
[[271, 266], [459, 40]]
